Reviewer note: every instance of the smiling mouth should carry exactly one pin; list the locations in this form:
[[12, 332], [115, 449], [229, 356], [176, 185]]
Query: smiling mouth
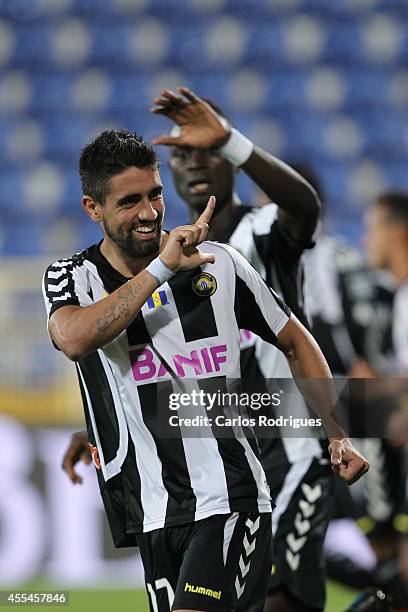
[[145, 230], [199, 186]]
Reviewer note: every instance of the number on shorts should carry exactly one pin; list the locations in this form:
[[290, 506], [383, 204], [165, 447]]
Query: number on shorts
[[161, 583]]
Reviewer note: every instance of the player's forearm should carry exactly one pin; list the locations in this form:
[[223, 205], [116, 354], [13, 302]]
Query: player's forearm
[[314, 380], [283, 185], [91, 327]]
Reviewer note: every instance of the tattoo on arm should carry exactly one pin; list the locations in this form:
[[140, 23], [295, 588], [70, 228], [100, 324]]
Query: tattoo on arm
[[110, 315], [121, 307]]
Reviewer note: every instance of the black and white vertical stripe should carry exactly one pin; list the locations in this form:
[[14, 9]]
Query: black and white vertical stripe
[[260, 238], [147, 480]]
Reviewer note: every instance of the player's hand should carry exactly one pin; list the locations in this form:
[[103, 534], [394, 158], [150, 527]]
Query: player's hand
[[346, 460], [78, 450], [180, 251], [200, 126]]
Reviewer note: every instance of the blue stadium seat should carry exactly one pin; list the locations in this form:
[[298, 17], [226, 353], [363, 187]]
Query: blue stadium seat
[[265, 69]]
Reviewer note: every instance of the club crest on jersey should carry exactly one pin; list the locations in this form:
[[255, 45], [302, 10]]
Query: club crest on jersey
[[204, 284], [158, 298]]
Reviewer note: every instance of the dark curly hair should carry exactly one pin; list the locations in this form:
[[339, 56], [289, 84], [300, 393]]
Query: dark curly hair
[[110, 153]]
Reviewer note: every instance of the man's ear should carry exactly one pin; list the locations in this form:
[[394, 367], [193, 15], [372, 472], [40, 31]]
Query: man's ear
[[92, 208]]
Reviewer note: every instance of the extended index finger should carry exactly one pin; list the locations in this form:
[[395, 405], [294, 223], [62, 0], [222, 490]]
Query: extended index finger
[[207, 213]]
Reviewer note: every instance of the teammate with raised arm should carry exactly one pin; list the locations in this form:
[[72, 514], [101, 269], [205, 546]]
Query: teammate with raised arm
[[273, 238]]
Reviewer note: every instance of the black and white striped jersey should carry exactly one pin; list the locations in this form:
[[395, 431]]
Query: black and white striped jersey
[[350, 306], [182, 336], [400, 328], [267, 245]]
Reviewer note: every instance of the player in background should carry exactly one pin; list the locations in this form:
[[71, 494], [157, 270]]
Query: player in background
[[352, 324], [352, 317], [273, 239], [386, 241]]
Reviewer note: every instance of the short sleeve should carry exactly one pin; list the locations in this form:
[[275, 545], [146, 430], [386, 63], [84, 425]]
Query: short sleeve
[[65, 283]]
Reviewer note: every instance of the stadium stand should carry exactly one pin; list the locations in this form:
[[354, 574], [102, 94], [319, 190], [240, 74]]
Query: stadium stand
[[321, 80]]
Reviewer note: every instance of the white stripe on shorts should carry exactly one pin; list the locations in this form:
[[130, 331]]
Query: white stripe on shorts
[[228, 531], [292, 481]]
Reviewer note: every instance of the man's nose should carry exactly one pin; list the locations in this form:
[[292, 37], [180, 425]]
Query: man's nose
[[147, 212], [197, 159]]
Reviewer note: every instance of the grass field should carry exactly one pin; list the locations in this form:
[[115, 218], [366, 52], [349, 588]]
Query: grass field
[[136, 600]]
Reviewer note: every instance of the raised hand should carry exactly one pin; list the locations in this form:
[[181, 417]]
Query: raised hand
[[200, 126], [346, 461], [180, 251]]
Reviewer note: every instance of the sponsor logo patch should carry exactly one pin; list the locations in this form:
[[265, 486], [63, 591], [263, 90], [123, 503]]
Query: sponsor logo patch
[[146, 364], [190, 588]]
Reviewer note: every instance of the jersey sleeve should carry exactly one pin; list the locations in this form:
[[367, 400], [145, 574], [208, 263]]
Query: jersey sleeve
[[65, 283], [257, 306], [274, 240], [281, 240]]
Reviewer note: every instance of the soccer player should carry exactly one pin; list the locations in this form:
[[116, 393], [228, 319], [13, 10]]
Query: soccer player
[[350, 308], [142, 313], [386, 241], [348, 304], [387, 224], [272, 239]]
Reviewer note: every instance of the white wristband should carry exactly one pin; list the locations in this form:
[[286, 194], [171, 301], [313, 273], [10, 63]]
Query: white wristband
[[160, 272], [238, 149]]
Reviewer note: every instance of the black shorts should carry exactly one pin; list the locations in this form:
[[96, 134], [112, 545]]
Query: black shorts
[[303, 500], [220, 563], [380, 502]]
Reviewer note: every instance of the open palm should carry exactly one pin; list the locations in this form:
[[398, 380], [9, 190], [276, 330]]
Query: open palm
[[200, 126]]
